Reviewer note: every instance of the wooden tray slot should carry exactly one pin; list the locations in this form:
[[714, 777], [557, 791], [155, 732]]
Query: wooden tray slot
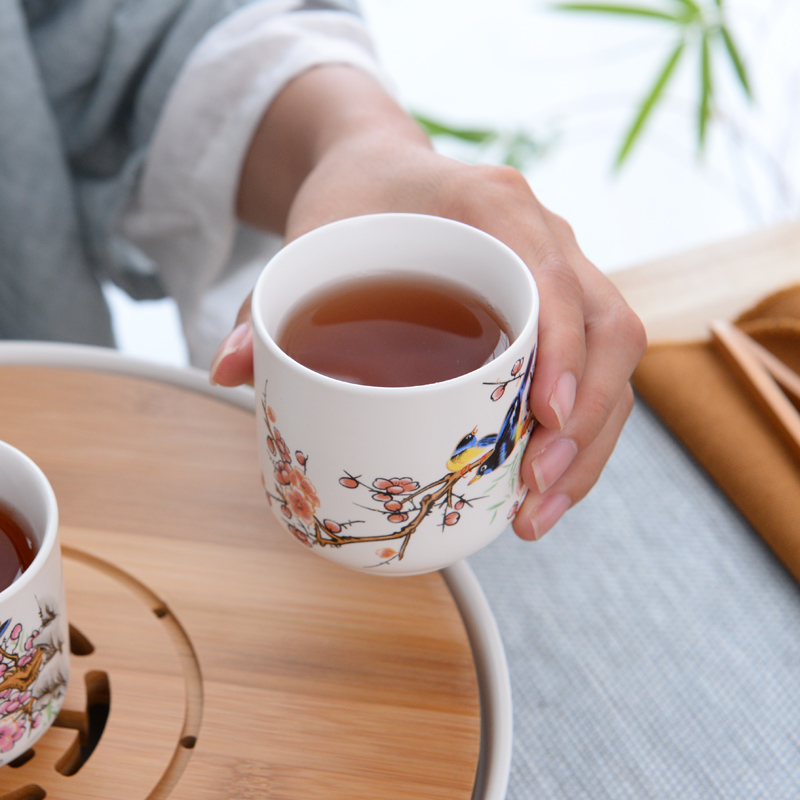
[[90, 724], [32, 792], [75, 741], [79, 645], [161, 483]]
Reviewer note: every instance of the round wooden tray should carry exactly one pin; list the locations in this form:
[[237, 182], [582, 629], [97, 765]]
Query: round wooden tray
[[212, 656]]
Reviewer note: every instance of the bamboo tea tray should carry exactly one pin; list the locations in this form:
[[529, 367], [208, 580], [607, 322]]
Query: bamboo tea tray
[[212, 657]]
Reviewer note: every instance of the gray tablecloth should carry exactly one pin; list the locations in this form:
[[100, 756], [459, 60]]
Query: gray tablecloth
[[653, 640]]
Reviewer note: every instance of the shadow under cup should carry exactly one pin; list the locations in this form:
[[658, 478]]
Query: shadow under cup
[[394, 480], [34, 634]]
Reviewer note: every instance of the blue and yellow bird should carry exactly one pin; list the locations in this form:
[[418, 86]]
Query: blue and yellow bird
[[511, 431], [469, 450]]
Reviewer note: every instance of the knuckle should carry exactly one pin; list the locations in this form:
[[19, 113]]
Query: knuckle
[[624, 326], [500, 186], [552, 263], [506, 177], [627, 401], [599, 404], [635, 333], [553, 269], [560, 226]]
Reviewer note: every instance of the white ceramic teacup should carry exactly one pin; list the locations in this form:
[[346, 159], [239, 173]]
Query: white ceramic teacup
[[34, 635], [394, 480]]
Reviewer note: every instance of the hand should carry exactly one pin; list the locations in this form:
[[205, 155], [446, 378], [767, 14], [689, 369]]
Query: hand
[[589, 340]]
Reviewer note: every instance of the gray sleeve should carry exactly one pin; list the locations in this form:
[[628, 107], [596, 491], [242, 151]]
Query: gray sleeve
[[82, 86]]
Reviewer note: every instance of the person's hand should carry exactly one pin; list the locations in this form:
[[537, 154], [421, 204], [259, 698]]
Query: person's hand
[[589, 340]]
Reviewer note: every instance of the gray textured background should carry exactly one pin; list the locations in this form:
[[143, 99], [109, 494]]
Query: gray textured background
[[653, 640]]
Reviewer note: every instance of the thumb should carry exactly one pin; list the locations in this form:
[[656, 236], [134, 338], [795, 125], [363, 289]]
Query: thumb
[[232, 364]]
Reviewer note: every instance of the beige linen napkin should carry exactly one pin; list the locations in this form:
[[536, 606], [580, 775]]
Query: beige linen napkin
[[709, 409]]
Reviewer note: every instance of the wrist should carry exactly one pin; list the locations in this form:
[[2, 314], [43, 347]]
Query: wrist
[[321, 111]]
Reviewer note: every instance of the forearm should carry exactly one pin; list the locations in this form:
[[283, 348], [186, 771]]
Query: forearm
[[322, 109]]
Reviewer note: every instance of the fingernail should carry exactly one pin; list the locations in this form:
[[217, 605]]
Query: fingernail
[[550, 511], [562, 398], [230, 344], [550, 464]]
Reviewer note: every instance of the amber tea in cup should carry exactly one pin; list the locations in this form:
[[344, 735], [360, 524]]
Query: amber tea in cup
[[394, 330], [34, 631], [17, 545], [398, 450]]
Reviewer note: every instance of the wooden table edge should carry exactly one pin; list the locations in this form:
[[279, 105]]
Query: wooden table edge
[[677, 296]]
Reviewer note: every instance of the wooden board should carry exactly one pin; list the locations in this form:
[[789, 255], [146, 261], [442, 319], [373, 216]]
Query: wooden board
[[676, 297], [232, 663]]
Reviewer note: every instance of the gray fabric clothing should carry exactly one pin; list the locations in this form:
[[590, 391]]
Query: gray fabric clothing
[[653, 640], [82, 84]]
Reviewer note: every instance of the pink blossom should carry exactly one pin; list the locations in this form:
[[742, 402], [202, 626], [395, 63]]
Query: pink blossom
[[17, 630], [283, 474], [301, 505], [299, 535], [394, 486], [10, 731]]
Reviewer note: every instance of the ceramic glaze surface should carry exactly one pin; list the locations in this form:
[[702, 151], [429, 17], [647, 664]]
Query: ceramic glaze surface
[[395, 480], [34, 635]]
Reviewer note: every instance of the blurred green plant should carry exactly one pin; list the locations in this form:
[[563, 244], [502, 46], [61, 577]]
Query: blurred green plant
[[513, 148], [702, 27]]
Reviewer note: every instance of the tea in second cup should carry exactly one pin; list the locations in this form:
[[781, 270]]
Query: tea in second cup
[[34, 635], [395, 479]]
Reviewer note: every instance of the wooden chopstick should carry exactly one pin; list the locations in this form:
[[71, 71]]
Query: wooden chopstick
[[762, 375], [786, 378]]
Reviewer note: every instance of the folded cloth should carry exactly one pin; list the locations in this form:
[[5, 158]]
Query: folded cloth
[[707, 406]]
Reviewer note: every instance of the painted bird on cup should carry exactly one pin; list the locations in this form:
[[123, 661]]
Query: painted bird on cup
[[486, 454]]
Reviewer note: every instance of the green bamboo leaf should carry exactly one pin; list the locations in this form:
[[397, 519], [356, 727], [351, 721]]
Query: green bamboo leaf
[[649, 103], [436, 128], [706, 90], [736, 59], [690, 5], [615, 8]]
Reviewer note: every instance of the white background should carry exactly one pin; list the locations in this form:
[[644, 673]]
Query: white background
[[573, 81]]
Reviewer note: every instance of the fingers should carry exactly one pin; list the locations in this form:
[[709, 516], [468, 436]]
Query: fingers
[[589, 340], [232, 364], [507, 208], [562, 463], [561, 358], [564, 484], [590, 343]]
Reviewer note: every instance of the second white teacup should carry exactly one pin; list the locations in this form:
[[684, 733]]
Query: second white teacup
[[34, 635]]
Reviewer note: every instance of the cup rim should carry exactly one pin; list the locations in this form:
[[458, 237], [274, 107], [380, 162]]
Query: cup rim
[[260, 329], [51, 529]]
